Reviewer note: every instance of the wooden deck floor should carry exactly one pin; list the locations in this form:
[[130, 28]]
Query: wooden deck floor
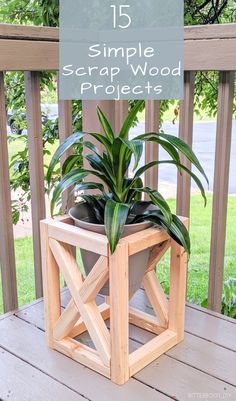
[[202, 367]]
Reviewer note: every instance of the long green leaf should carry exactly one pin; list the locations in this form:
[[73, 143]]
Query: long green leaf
[[70, 163], [115, 218], [194, 177], [89, 185], [67, 144], [181, 146], [105, 125], [96, 207], [159, 201], [67, 181], [176, 230], [136, 147], [130, 119]]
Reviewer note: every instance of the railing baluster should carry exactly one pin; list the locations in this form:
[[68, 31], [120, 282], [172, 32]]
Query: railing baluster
[[34, 129], [121, 111], [65, 130], [152, 124], [7, 253], [221, 181], [186, 134]]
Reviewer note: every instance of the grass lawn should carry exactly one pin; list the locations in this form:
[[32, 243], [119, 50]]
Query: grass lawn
[[169, 115], [198, 265]]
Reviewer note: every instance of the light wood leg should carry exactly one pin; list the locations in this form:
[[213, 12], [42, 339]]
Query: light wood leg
[[51, 285], [178, 277], [119, 313]]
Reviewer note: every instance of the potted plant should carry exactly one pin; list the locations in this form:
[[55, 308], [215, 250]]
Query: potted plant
[[117, 208]]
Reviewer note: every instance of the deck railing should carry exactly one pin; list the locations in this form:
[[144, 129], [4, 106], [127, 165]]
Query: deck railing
[[35, 49]]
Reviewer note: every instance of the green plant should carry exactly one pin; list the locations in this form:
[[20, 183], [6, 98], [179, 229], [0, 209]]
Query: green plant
[[115, 206], [228, 307], [229, 298]]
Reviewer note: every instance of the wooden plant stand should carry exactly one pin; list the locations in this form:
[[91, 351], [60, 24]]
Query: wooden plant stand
[[111, 356]]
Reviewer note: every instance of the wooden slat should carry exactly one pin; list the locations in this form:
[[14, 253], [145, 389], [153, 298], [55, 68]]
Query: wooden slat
[[178, 282], [26, 55], [80, 327], [152, 124], [157, 297], [221, 31], [82, 354], [65, 130], [36, 168], [51, 285], [78, 237], [89, 312], [95, 280], [149, 238], [145, 321], [25, 32], [119, 320], [221, 181], [30, 383], [121, 111], [198, 32], [156, 253], [186, 134], [7, 253], [186, 382], [43, 54], [152, 350], [66, 321], [39, 55], [204, 55]]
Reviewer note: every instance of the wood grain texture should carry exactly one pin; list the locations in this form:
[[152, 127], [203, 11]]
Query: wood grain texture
[[66, 321], [21, 381], [156, 253], [95, 280], [51, 285], [119, 315], [78, 237], [121, 111], [146, 239], [12, 31], [19, 52], [145, 321], [152, 124], [65, 130], [220, 193], [178, 278], [82, 354], [36, 168], [7, 252], [186, 134], [89, 311], [152, 350], [157, 297]]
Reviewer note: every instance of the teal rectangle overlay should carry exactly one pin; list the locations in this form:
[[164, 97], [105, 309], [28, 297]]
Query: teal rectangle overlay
[[121, 49]]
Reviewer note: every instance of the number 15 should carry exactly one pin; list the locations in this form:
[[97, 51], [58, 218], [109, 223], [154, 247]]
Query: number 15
[[122, 15]]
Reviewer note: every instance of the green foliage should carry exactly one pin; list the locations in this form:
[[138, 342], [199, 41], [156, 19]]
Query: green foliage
[[121, 203], [228, 298]]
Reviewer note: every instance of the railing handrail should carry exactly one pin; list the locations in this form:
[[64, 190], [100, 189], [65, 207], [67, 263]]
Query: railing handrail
[[31, 48], [51, 34]]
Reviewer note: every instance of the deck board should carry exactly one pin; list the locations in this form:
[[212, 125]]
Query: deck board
[[203, 363], [29, 383]]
